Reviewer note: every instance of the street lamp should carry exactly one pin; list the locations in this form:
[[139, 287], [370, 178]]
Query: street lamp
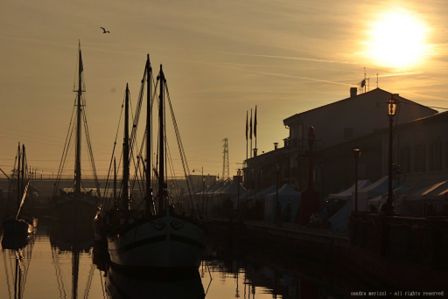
[[356, 155], [391, 112], [238, 179], [277, 202]]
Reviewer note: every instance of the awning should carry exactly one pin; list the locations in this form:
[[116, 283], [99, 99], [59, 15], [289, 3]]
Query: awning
[[349, 192]]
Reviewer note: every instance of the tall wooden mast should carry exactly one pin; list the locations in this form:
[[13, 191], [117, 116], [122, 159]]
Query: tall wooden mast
[[148, 136], [162, 182], [78, 126], [125, 191], [19, 157]]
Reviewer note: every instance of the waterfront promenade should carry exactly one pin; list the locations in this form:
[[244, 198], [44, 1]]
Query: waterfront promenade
[[394, 261]]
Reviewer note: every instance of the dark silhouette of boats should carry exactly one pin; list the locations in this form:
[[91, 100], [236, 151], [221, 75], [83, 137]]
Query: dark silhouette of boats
[[75, 208], [158, 237], [16, 230]]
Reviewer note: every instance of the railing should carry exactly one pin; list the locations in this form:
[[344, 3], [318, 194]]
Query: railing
[[418, 240]]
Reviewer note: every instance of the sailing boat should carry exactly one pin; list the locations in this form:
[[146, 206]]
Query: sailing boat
[[75, 209], [159, 239], [15, 229]]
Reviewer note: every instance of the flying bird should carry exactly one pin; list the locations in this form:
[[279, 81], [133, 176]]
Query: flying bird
[[105, 30]]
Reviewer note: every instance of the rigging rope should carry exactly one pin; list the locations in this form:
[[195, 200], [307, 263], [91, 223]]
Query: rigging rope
[[89, 281], [102, 285], [60, 281], [67, 141], [113, 149], [8, 284], [133, 134], [89, 146], [182, 153]]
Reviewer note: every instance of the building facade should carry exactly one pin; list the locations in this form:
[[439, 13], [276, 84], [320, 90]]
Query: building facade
[[340, 122]]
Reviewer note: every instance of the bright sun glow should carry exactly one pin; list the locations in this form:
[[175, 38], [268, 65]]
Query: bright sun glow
[[398, 40]]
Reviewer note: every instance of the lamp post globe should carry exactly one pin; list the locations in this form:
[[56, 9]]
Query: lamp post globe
[[392, 107]]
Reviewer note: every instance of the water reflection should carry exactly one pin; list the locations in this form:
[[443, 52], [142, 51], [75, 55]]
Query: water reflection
[[64, 239], [120, 285], [16, 264], [52, 265]]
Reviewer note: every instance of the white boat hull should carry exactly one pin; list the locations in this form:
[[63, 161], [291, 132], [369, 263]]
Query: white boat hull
[[164, 242]]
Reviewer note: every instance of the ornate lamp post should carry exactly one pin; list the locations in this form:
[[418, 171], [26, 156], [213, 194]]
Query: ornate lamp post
[[277, 202], [356, 155], [238, 180], [391, 112]]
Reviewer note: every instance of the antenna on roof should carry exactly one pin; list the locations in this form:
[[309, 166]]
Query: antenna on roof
[[376, 80], [364, 82]]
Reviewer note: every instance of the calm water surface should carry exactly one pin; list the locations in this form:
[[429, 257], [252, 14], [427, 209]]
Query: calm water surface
[[41, 270]]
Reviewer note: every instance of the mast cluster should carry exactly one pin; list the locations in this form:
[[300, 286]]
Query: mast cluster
[[161, 171]]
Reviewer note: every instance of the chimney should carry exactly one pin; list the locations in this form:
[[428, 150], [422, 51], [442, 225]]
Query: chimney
[[275, 145], [353, 92]]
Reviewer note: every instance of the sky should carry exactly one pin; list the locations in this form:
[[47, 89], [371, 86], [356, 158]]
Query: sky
[[221, 58]]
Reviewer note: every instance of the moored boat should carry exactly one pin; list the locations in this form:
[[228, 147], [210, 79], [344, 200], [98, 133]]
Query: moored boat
[[158, 238], [16, 229], [75, 208]]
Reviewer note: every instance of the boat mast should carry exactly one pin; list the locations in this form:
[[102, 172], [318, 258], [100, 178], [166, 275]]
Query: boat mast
[[22, 183], [78, 126], [115, 185], [19, 157], [75, 272], [148, 136], [125, 191], [162, 182]]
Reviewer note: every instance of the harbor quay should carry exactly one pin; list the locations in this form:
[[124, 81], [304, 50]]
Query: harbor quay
[[390, 253]]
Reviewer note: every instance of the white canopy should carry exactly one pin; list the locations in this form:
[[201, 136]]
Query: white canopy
[[346, 194]]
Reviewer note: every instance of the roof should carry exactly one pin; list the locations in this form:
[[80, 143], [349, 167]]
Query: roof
[[376, 91], [415, 122]]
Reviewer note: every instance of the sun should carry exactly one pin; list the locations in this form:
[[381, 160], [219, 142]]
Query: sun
[[397, 39]]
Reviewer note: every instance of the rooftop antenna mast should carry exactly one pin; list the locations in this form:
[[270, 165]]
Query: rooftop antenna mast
[[365, 80], [225, 162]]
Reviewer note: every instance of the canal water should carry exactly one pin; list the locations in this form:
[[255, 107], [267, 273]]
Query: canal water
[[45, 270]]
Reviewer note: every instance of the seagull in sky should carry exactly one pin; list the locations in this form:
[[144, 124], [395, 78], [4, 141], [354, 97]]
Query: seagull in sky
[[105, 30]]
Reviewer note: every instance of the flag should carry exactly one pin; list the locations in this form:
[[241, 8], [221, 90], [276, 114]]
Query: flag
[[250, 125], [255, 123], [362, 83], [247, 124]]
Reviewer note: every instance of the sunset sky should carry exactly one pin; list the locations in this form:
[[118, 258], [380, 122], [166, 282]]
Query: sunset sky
[[220, 58]]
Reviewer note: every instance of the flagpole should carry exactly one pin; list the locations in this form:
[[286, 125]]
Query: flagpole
[[255, 131], [247, 128], [250, 131]]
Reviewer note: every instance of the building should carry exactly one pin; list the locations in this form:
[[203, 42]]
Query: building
[[336, 123]]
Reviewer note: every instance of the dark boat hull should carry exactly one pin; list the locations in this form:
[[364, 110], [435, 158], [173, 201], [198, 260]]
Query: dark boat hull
[[15, 233], [166, 242], [74, 218]]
